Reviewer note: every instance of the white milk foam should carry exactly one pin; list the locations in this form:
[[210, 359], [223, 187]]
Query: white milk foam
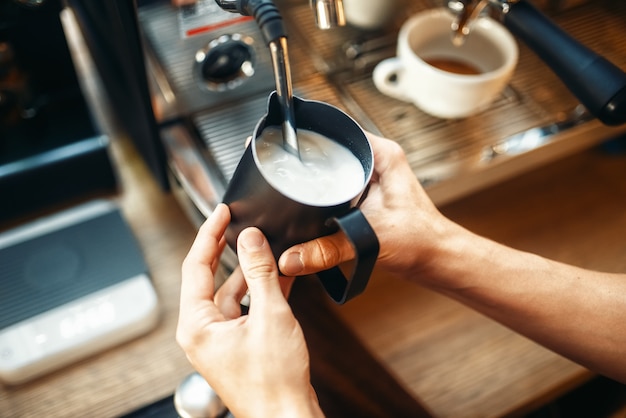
[[327, 173]]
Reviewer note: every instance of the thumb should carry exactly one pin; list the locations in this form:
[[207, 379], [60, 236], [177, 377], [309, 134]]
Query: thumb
[[259, 268], [316, 255]]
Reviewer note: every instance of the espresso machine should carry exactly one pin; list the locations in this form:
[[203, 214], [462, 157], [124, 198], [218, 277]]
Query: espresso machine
[[190, 83]]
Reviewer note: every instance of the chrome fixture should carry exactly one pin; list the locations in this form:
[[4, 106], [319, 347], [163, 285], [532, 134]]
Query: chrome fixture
[[596, 82], [468, 10], [328, 13], [194, 398]]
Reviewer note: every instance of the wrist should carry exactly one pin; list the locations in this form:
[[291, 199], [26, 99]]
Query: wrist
[[456, 256], [283, 405], [302, 405]]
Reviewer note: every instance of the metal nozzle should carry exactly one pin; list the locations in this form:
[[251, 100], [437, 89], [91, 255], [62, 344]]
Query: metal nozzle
[[328, 13], [469, 10]]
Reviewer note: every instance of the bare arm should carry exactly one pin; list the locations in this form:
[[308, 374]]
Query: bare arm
[[575, 312]]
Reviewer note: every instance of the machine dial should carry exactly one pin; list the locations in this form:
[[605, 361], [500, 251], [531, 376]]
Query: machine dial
[[225, 63]]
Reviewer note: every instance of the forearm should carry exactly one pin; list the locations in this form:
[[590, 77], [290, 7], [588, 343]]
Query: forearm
[[575, 312]]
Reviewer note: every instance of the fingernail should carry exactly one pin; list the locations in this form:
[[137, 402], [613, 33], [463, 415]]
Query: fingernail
[[292, 264], [251, 239]]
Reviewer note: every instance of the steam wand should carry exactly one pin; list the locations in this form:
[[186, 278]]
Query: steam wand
[[270, 22]]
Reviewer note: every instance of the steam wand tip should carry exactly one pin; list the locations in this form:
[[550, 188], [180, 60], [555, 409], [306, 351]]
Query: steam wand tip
[[282, 75]]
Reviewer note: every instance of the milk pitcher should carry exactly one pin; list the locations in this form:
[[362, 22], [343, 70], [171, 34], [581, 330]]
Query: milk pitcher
[[287, 221]]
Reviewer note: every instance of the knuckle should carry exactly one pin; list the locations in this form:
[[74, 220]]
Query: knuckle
[[395, 150], [261, 268], [259, 265], [190, 338], [183, 339], [186, 264], [329, 252]]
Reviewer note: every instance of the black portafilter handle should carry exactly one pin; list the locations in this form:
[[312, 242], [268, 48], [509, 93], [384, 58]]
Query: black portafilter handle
[[264, 12], [597, 83]]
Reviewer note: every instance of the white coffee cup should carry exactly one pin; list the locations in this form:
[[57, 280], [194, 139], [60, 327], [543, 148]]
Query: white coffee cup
[[425, 46], [369, 14]]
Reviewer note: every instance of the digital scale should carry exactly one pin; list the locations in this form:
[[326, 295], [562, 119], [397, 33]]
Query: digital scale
[[71, 284]]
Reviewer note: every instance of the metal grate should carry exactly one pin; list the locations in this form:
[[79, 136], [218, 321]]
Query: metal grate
[[224, 129], [535, 96]]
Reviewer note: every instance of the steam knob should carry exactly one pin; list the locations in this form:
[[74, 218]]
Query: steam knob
[[194, 398]]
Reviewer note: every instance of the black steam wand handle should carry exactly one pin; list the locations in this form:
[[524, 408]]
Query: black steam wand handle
[[596, 82], [264, 12], [274, 33]]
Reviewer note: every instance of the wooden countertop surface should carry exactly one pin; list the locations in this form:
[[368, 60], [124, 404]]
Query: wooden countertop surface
[[453, 360]]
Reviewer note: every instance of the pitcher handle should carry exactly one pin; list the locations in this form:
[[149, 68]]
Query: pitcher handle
[[365, 244]]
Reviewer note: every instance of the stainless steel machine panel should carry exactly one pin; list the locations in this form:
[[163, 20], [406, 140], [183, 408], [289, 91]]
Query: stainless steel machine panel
[[224, 59]]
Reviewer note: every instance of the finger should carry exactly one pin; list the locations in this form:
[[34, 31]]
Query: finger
[[389, 158], [259, 269], [229, 296], [197, 270], [286, 283], [380, 147], [197, 309], [316, 255], [216, 263]]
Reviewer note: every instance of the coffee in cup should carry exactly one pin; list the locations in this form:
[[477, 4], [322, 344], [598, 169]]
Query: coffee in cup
[[443, 79]]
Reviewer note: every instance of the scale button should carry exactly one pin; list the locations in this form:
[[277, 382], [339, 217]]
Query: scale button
[[15, 350], [6, 353]]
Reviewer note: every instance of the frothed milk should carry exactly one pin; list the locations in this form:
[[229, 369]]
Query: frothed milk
[[327, 173]]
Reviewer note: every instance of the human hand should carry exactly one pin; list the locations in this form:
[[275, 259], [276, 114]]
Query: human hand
[[405, 220], [257, 363]]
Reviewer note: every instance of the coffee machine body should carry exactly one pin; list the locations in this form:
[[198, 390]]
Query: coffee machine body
[[205, 55]]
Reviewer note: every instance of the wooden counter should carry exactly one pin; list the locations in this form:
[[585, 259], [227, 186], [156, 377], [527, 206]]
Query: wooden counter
[[454, 361]]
